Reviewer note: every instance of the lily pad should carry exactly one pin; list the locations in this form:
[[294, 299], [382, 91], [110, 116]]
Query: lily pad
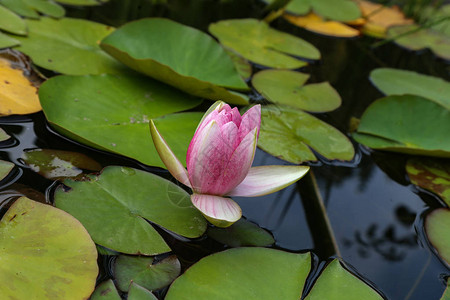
[[5, 168], [46, 7], [432, 175], [241, 233], [408, 124], [289, 133], [82, 2], [243, 67], [437, 224], [106, 291], [21, 8], [59, 164], [446, 295], [287, 87], [244, 273], [335, 282], [45, 253], [11, 22], [69, 46], [400, 82], [128, 197], [178, 55], [6, 41], [137, 292], [257, 42], [145, 272], [3, 135], [112, 113]]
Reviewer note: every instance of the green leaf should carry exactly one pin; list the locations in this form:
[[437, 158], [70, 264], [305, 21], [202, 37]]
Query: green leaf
[[335, 282], [46, 7], [11, 22], [400, 82], [243, 67], [112, 113], [127, 198], [6, 41], [288, 133], [437, 224], [408, 124], [145, 272], [20, 7], [82, 2], [69, 46], [3, 135], [287, 87], [263, 45], [137, 292], [181, 56], [5, 168], [45, 253], [241, 233], [432, 175], [244, 273], [105, 291], [446, 295]]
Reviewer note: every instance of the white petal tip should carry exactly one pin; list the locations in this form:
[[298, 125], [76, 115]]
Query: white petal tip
[[219, 211]]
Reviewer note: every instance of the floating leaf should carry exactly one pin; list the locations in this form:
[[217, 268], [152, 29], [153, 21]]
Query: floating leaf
[[69, 46], [105, 291], [243, 67], [145, 272], [6, 41], [244, 273], [400, 82], [315, 23], [82, 2], [129, 197], [437, 224], [241, 233], [415, 38], [59, 164], [259, 43], [45, 253], [117, 120], [288, 133], [195, 63], [287, 87], [17, 94], [5, 168], [20, 7], [432, 175], [46, 7], [137, 292], [446, 295], [3, 135], [408, 124], [11, 22], [335, 281]]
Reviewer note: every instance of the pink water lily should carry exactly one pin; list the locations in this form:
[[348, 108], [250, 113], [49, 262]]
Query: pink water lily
[[219, 160]]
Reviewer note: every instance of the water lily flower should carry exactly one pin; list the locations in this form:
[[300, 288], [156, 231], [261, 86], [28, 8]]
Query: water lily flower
[[219, 160]]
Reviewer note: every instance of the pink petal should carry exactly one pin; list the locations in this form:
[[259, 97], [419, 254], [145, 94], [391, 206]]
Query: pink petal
[[169, 159], [268, 179], [220, 211], [250, 120], [217, 106]]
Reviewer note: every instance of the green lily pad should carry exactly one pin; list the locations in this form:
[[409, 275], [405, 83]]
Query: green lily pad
[[183, 57], [5, 168], [288, 133], [335, 282], [410, 37], [257, 42], [432, 175], [59, 164], [106, 291], [446, 295], [11, 22], [137, 292], [400, 82], [46, 7], [244, 273], [21, 8], [6, 41], [45, 253], [241, 233], [145, 272], [287, 87], [127, 198], [243, 67], [437, 224], [82, 2], [112, 113], [408, 124], [69, 46], [3, 135]]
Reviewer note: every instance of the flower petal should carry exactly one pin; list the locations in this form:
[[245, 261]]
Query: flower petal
[[169, 159], [220, 211], [268, 179], [250, 120], [217, 106]]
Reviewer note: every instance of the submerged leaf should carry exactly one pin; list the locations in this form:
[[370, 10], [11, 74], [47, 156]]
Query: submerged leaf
[[5, 168], [437, 224]]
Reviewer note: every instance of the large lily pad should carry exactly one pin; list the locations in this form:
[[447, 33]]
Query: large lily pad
[[127, 198], [11, 22], [289, 133], [181, 56], [400, 82], [69, 46], [5, 168], [112, 113], [409, 124], [437, 225], [256, 41], [45, 253], [432, 175], [287, 87]]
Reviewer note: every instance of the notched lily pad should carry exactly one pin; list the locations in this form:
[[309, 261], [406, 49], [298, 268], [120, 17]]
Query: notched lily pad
[[105, 291], [128, 197], [37, 237], [145, 271], [437, 224], [257, 42], [5, 168]]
